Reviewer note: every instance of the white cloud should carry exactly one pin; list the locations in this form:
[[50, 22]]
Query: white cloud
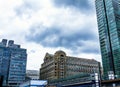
[[18, 16]]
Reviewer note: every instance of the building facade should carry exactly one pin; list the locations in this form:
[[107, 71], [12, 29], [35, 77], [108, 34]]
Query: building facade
[[108, 18], [12, 63], [32, 74], [59, 66]]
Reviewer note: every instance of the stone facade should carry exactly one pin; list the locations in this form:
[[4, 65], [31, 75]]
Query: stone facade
[[60, 65]]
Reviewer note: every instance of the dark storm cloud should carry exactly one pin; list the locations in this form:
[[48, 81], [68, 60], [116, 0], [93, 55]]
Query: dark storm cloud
[[91, 50], [82, 5], [72, 41]]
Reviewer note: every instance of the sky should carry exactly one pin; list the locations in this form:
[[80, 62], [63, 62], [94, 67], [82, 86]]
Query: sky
[[42, 26]]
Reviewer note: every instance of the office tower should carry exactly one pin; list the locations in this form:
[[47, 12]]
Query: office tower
[[12, 63], [61, 66], [108, 18]]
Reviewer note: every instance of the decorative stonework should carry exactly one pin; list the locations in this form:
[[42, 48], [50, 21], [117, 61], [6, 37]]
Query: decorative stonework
[[60, 66]]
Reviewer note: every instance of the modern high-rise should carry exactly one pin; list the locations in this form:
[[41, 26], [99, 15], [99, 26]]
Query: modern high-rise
[[108, 18], [59, 65], [12, 63]]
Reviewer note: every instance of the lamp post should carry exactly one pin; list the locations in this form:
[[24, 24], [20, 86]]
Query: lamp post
[[100, 77]]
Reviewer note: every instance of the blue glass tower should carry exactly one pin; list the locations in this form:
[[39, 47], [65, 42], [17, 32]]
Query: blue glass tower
[[12, 63], [108, 17]]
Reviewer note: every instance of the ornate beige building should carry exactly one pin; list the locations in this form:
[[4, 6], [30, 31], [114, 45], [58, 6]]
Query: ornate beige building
[[61, 66]]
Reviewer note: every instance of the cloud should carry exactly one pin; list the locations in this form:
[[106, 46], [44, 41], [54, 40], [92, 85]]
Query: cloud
[[54, 37], [82, 5], [43, 26], [27, 8], [65, 27]]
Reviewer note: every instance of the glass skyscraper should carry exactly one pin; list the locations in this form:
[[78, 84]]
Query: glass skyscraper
[[108, 18], [12, 63]]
